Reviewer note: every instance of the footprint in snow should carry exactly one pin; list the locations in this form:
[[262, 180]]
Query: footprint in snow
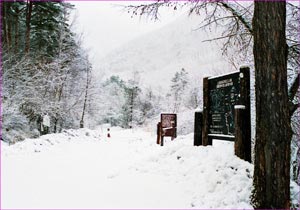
[[112, 175]]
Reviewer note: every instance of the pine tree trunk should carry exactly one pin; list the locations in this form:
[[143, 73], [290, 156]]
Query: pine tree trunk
[[9, 27], [6, 24], [28, 19], [3, 16], [17, 31], [273, 131]]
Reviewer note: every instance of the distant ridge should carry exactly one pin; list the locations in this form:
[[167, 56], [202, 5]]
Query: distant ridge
[[157, 55]]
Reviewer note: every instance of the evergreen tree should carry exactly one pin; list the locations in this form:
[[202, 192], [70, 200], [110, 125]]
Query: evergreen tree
[[42, 64], [130, 110], [178, 87], [111, 100]]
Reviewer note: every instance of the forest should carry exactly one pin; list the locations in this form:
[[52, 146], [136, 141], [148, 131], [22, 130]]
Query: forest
[[46, 70]]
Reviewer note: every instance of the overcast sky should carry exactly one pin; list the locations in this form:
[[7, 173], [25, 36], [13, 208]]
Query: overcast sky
[[106, 26]]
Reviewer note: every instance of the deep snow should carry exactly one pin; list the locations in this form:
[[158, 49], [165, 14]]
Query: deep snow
[[85, 169]]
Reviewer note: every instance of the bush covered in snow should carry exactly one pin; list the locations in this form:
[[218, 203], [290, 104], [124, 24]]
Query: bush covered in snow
[[16, 127]]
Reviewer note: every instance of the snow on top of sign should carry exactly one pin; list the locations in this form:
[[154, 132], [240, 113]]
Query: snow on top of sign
[[239, 107], [198, 109], [221, 135], [221, 75], [245, 65]]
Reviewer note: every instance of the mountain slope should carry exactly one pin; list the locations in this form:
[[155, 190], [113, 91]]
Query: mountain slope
[[159, 54]]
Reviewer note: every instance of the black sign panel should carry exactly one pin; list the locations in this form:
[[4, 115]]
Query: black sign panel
[[224, 93]]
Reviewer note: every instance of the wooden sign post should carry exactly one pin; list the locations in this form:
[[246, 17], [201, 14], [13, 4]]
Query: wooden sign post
[[205, 113], [166, 127], [242, 120], [221, 120], [198, 128], [158, 133]]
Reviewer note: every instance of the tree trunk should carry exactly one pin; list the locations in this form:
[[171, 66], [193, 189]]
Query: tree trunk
[[3, 25], [273, 131], [55, 124], [17, 31], [9, 28], [85, 99], [131, 108], [3, 16], [28, 19], [6, 24]]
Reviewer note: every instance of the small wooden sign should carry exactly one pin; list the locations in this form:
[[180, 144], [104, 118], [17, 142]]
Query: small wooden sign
[[166, 127], [167, 120]]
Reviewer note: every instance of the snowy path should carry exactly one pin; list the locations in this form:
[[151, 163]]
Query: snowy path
[[79, 169]]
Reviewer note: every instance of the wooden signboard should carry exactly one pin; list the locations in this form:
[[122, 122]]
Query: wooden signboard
[[226, 112], [168, 122], [166, 127]]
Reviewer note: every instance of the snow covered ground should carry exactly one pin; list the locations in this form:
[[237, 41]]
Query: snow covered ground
[[85, 169]]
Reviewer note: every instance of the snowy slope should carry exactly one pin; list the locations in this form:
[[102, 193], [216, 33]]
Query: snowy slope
[[159, 54], [84, 169]]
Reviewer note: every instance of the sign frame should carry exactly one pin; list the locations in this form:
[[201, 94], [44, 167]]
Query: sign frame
[[241, 116], [166, 127]]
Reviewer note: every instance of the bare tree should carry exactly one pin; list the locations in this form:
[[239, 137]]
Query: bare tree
[[235, 20], [86, 95]]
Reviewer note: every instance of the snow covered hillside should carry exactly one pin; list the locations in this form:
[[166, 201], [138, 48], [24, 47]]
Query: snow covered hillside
[[85, 169], [159, 54]]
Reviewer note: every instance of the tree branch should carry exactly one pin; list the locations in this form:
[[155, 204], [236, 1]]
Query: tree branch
[[294, 88], [239, 17], [293, 107]]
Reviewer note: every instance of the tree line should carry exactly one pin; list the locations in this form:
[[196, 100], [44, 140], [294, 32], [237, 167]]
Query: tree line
[[130, 104], [43, 68]]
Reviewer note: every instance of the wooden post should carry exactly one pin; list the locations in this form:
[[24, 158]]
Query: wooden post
[[210, 141], [245, 99], [205, 141], [198, 128], [245, 88], [173, 131], [242, 146], [238, 141], [242, 119], [158, 133], [161, 136]]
